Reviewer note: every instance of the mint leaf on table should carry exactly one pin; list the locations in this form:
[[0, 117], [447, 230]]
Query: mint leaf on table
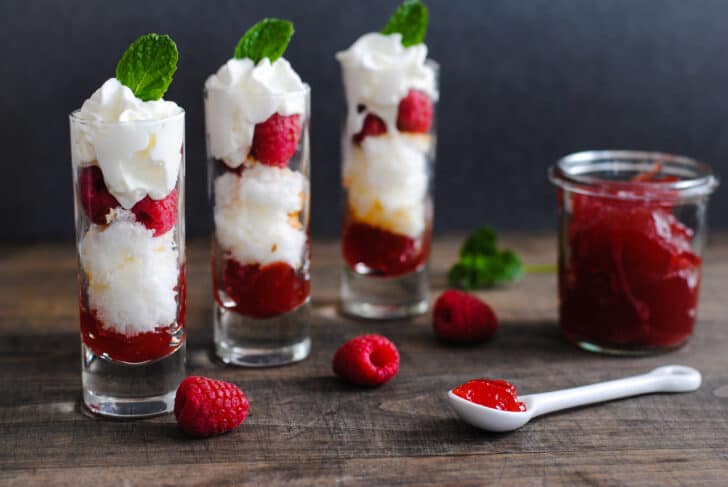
[[410, 20], [268, 38], [482, 265], [148, 65]]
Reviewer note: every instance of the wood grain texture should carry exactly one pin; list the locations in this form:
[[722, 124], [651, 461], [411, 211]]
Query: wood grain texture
[[306, 427]]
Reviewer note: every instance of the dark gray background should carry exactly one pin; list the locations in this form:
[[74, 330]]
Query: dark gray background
[[522, 83]]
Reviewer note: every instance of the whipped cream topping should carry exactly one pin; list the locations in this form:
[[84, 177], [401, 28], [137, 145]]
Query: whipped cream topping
[[132, 276], [242, 94], [387, 182], [137, 144], [257, 215], [378, 72]]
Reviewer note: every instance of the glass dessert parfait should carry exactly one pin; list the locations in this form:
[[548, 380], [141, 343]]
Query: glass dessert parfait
[[257, 117], [128, 177], [388, 148], [632, 226]]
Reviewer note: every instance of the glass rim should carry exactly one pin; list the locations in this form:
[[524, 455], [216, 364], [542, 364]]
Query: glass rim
[[428, 62], [306, 90], [75, 117], [571, 173]]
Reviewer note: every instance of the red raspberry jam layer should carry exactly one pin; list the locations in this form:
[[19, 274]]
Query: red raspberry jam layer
[[630, 277], [138, 348], [263, 291], [384, 253], [495, 394]]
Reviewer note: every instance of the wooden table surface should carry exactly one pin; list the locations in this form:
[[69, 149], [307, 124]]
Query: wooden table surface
[[306, 427]]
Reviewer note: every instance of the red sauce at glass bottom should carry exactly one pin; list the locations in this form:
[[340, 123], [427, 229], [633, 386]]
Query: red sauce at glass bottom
[[386, 254], [630, 278], [495, 394], [263, 291], [138, 348]]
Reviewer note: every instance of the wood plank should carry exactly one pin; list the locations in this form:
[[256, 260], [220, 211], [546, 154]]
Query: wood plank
[[307, 427]]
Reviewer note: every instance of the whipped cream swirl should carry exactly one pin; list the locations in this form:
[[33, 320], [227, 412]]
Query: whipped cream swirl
[[242, 94], [137, 144]]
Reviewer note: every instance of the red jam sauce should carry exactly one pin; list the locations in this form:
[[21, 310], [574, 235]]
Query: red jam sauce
[[630, 277], [495, 394], [264, 291], [386, 254], [137, 348]]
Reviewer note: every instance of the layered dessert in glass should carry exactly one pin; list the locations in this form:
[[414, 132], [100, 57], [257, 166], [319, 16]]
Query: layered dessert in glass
[[632, 227], [128, 175], [388, 148], [257, 116]]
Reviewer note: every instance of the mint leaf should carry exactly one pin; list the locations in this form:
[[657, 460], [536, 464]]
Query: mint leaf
[[481, 264], [410, 20], [148, 65], [268, 38], [481, 241]]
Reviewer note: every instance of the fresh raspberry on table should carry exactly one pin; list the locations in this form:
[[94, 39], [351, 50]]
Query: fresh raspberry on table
[[95, 197], [460, 317], [372, 126], [415, 113], [207, 407], [157, 215], [367, 360], [276, 140]]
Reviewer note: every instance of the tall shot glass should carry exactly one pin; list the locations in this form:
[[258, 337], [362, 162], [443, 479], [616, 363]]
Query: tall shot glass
[[387, 186], [260, 246], [131, 264]]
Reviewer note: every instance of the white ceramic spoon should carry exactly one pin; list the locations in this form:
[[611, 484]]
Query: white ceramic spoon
[[670, 378]]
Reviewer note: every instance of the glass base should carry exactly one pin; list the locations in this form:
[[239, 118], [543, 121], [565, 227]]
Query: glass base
[[253, 342], [384, 298], [624, 351], [123, 390]]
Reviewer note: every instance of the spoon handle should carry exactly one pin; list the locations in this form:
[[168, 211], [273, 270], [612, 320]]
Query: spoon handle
[[670, 378]]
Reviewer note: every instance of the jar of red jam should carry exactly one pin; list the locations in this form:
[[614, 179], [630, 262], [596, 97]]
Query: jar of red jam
[[632, 226]]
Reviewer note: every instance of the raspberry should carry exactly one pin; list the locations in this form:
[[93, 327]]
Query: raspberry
[[157, 215], [95, 197], [415, 113], [372, 125], [367, 360], [462, 318], [276, 140], [207, 407]]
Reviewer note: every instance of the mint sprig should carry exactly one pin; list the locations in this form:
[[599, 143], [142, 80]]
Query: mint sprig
[[148, 65], [410, 20], [268, 38], [482, 265]]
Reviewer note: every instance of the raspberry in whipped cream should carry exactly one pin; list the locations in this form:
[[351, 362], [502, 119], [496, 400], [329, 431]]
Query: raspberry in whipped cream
[[137, 159], [243, 94], [378, 73]]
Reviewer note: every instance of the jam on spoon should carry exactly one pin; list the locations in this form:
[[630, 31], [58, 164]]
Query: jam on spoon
[[495, 394]]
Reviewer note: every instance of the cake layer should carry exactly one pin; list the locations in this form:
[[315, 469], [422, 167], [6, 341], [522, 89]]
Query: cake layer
[[256, 215], [132, 276]]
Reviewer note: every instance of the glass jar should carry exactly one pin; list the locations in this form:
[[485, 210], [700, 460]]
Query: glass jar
[[632, 227]]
